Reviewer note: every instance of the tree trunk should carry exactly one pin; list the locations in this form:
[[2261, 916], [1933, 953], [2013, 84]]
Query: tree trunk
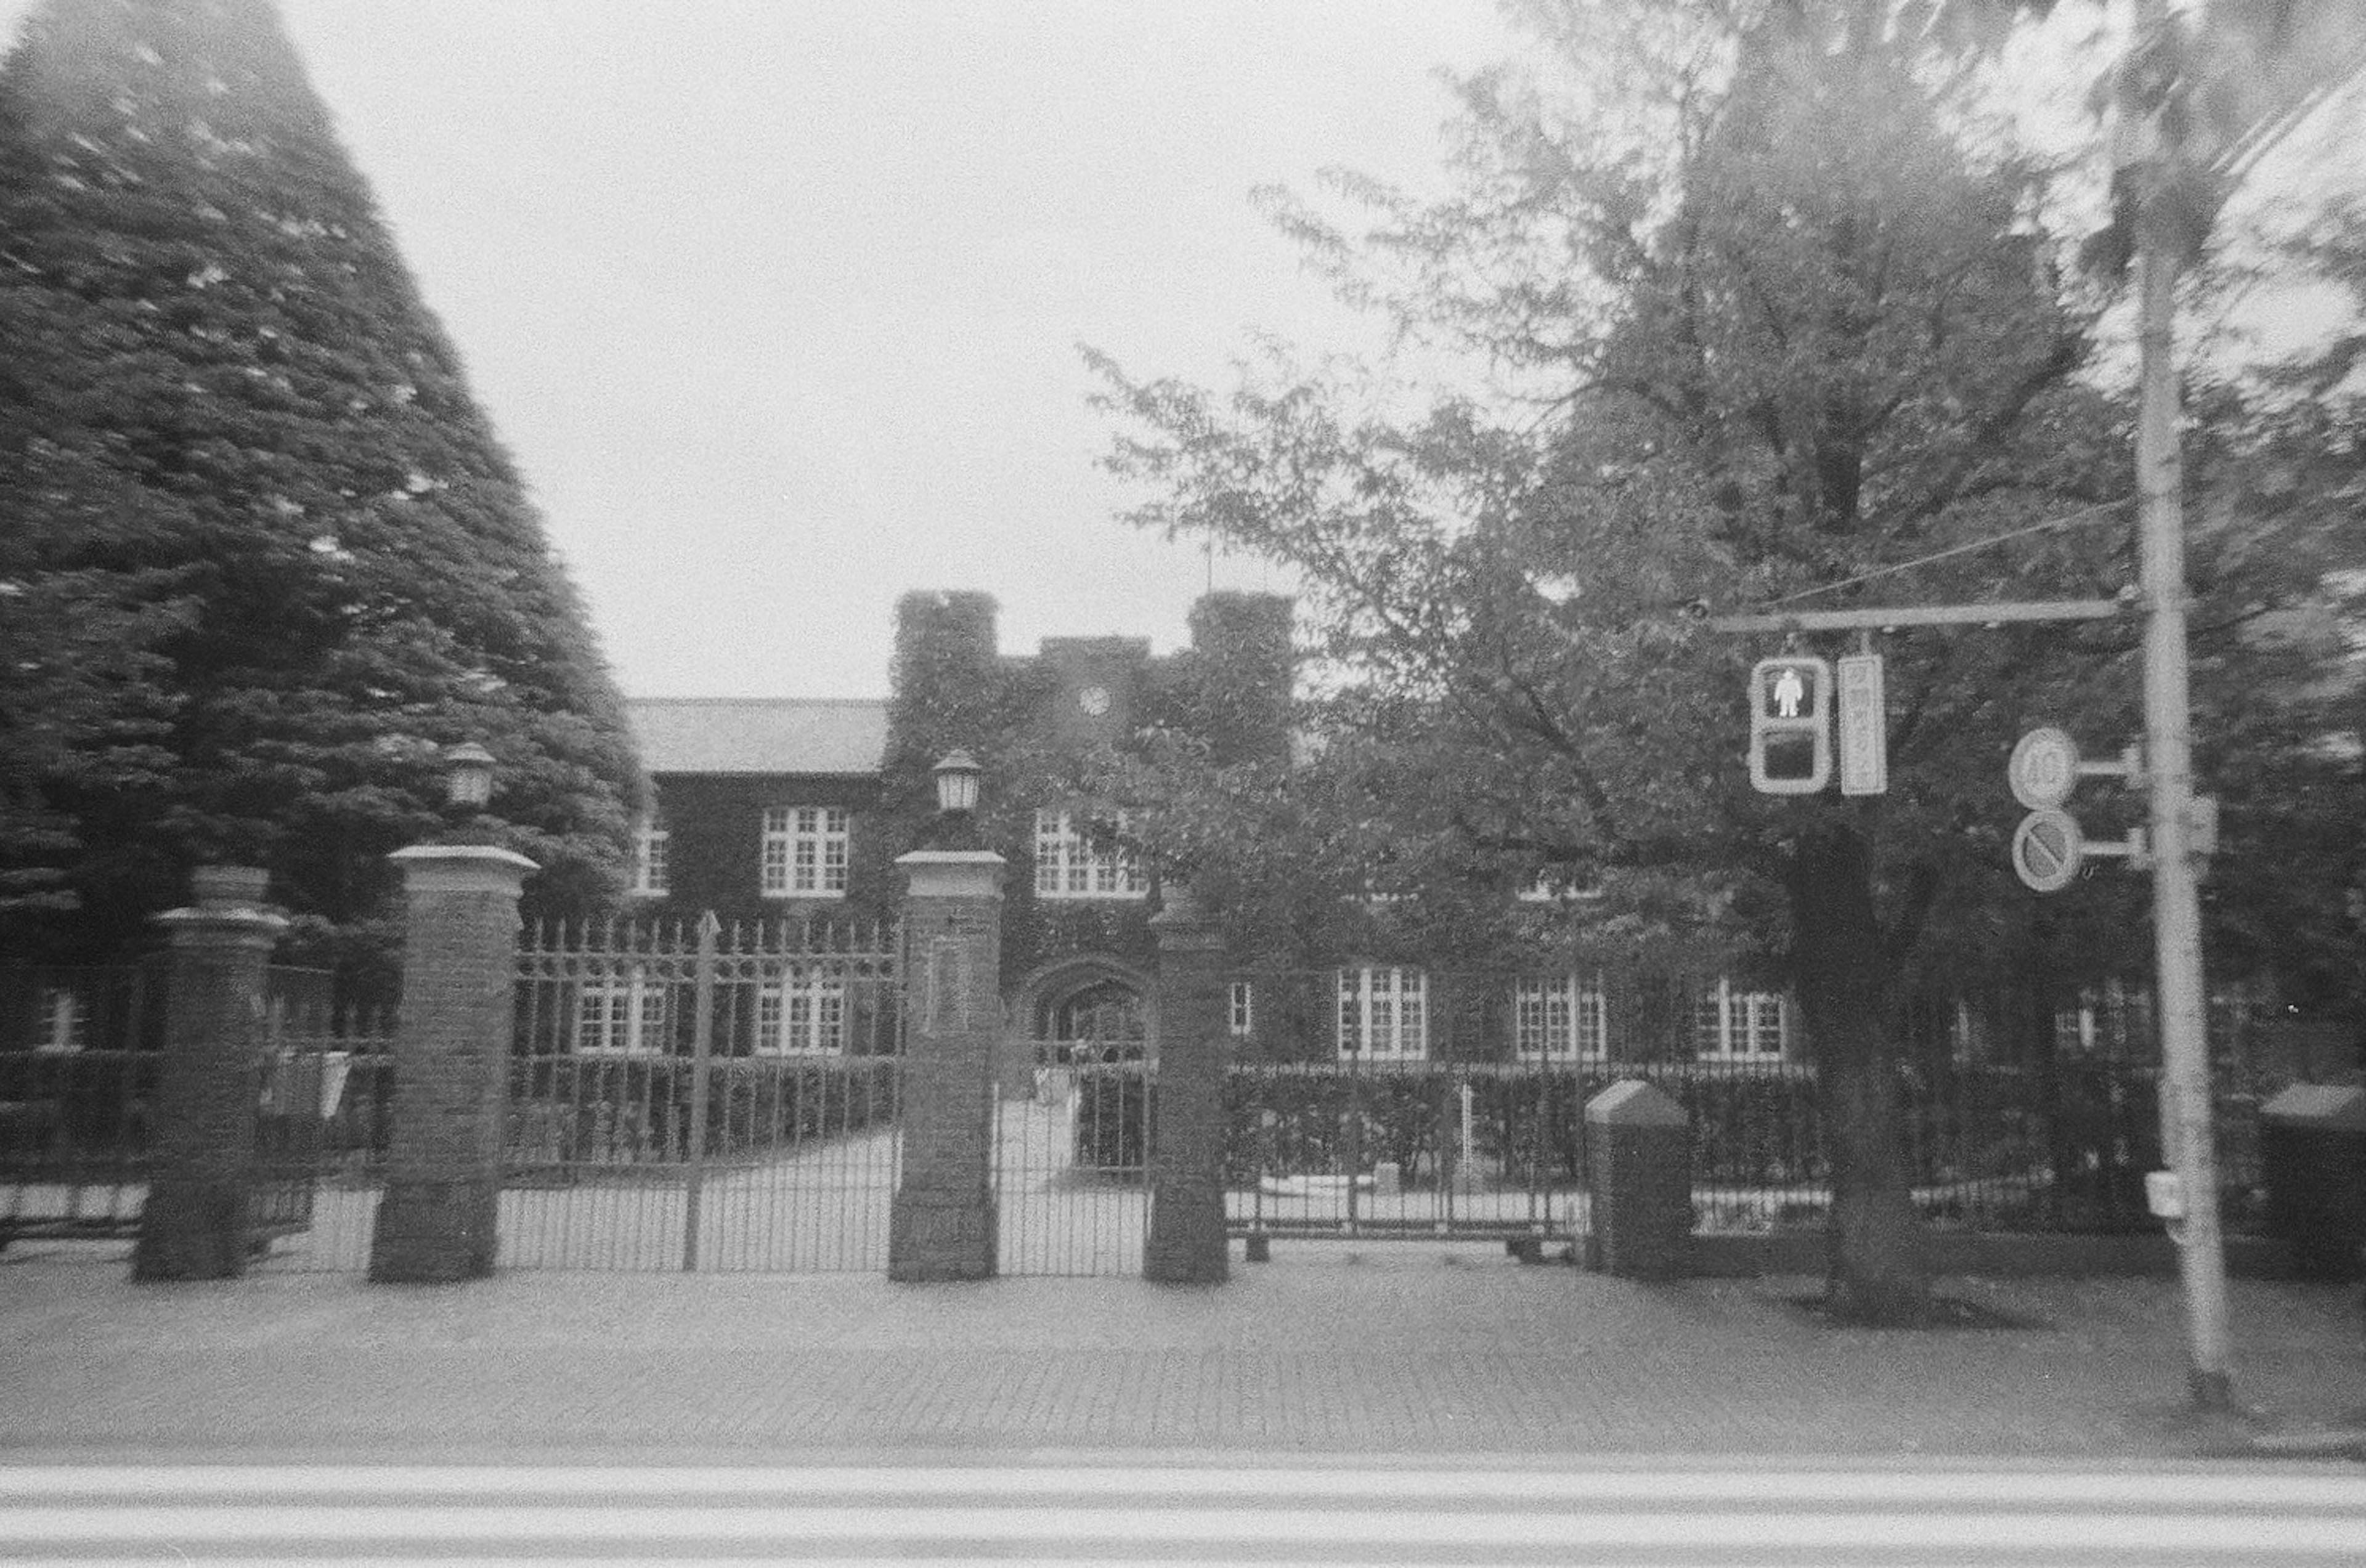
[[1877, 1269]]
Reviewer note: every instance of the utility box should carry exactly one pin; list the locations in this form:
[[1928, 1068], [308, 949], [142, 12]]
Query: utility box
[[2313, 1155], [1638, 1173]]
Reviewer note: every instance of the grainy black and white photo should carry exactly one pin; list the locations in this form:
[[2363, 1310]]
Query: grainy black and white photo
[[1226, 782]]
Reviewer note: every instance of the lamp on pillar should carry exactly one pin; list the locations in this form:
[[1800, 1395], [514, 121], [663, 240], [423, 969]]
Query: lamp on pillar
[[957, 779], [469, 776]]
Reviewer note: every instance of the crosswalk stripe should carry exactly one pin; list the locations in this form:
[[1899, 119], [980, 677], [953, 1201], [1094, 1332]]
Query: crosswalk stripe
[[2279, 1488], [1281, 1523], [1126, 1513]]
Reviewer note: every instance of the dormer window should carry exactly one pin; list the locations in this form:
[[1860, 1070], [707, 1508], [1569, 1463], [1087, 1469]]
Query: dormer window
[[1072, 862]]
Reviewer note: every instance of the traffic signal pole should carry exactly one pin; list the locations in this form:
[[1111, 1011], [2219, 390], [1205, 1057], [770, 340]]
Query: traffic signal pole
[[2187, 1143]]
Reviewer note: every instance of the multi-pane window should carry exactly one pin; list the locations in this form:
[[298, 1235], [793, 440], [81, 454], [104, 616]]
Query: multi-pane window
[[1243, 1012], [1731, 1022], [1559, 1017], [1383, 1013], [802, 1014], [1072, 863], [620, 1016], [651, 846], [804, 851], [63, 1022]]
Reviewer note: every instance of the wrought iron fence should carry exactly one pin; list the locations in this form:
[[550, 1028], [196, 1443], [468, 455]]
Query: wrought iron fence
[[1365, 1100], [702, 1096], [81, 1066]]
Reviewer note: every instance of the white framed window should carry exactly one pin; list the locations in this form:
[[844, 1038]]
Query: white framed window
[[1241, 1012], [1553, 887], [652, 845], [802, 1014], [804, 851], [1559, 1017], [1070, 864], [620, 1016], [1383, 1013], [1733, 1023], [62, 1020]]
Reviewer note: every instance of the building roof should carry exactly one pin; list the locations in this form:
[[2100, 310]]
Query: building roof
[[760, 734]]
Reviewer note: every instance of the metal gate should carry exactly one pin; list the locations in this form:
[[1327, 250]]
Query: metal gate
[[324, 1110], [1406, 1149], [1071, 1157], [703, 1097]]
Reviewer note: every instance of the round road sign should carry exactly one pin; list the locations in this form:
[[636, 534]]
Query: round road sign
[[2047, 849], [2044, 769]]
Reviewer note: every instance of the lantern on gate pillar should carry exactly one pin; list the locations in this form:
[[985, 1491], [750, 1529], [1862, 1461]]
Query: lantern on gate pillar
[[468, 776], [957, 777]]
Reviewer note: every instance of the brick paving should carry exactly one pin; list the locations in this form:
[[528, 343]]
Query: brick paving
[[1332, 1348]]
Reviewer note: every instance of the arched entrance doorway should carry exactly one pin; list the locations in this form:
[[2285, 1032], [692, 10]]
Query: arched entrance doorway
[[1088, 1010]]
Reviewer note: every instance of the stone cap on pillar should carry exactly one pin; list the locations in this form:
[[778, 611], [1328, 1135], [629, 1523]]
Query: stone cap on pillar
[[228, 907], [462, 868], [953, 874], [1631, 1102]]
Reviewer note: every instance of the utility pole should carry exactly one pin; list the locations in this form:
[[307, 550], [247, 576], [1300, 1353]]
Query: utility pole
[[2189, 1144]]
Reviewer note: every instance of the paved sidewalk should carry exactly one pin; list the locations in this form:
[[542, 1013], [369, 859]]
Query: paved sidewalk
[[1333, 1348]]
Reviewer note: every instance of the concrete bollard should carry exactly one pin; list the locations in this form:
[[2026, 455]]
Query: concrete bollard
[[1639, 1171]]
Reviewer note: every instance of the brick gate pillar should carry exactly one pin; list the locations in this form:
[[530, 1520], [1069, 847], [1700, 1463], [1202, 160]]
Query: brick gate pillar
[[1186, 1244], [438, 1219], [942, 1224], [196, 1221]]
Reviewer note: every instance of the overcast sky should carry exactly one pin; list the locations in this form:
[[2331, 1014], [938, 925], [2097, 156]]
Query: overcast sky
[[777, 304], [777, 301]]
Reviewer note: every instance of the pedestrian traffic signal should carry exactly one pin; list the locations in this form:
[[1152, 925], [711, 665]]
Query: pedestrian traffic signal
[[1790, 726]]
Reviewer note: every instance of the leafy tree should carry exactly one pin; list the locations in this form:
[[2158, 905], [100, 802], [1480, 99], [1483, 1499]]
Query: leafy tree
[[1790, 330], [2279, 460], [239, 457], [1790, 322]]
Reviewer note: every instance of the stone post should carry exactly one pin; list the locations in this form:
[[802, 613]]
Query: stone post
[[1639, 1154], [942, 1222], [196, 1224], [1186, 1244], [438, 1220]]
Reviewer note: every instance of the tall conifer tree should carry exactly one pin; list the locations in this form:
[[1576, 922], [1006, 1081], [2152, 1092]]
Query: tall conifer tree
[[231, 430]]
